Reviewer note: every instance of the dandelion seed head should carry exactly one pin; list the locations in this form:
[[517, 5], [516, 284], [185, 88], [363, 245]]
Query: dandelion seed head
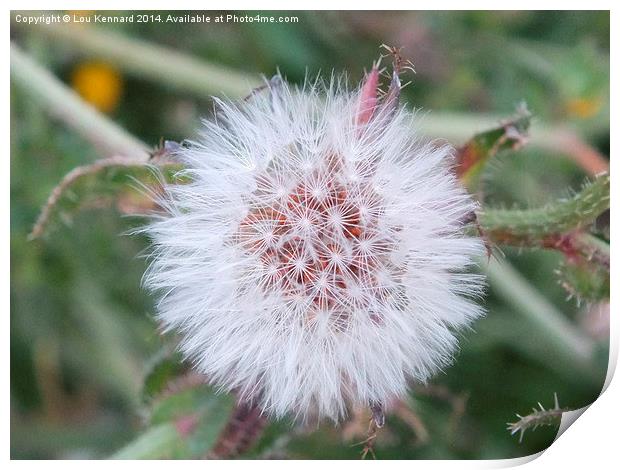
[[317, 258]]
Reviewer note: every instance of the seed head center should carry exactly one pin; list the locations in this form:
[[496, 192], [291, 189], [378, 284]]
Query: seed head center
[[314, 246]]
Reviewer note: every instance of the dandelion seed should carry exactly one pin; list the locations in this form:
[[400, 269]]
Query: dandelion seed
[[318, 257]]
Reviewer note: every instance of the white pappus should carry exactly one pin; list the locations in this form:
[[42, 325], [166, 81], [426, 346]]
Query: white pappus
[[317, 257]]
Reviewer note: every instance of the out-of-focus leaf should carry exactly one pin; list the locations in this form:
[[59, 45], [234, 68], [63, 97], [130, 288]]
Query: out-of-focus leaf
[[184, 425], [125, 181], [177, 405], [157, 442], [582, 81], [472, 157], [164, 366]]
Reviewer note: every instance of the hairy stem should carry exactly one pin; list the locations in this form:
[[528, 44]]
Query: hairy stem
[[245, 427], [67, 106], [538, 417], [540, 226], [80, 171]]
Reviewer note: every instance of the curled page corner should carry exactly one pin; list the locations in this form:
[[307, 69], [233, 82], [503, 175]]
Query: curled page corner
[[568, 418]]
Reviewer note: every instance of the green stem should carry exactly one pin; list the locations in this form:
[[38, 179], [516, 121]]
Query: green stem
[[585, 246], [157, 63], [534, 227], [67, 106], [596, 243], [562, 335]]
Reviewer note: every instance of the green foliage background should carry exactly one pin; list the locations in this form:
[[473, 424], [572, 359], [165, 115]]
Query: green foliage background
[[82, 332]]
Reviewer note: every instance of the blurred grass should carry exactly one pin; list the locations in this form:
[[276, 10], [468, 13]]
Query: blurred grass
[[81, 327]]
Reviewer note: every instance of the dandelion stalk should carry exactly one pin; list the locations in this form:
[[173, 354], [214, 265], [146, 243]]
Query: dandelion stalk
[[67, 106]]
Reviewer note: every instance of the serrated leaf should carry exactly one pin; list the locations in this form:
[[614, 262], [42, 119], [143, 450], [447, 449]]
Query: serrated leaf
[[473, 156], [123, 181]]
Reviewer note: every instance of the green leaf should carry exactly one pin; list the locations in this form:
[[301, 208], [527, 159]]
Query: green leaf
[[164, 366], [124, 181], [473, 156], [185, 425], [158, 442]]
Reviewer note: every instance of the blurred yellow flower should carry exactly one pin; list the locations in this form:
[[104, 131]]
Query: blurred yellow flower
[[583, 107], [99, 84]]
